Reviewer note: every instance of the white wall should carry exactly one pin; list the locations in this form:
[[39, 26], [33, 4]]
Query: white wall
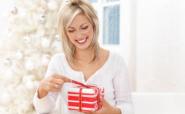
[[160, 45], [127, 47], [157, 103], [157, 50]]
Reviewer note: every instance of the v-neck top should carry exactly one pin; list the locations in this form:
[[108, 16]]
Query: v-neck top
[[112, 76], [101, 68]]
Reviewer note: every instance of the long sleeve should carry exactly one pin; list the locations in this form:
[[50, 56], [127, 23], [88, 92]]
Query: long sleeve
[[46, 104], [122, 89]]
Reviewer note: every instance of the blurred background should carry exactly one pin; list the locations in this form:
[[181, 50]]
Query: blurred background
[[149, 34]]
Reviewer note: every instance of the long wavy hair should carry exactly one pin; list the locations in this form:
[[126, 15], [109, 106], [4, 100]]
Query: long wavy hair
[[66, 14]]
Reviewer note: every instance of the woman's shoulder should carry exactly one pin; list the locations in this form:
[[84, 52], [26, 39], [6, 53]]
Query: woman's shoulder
[[116, 57], [118, 63]]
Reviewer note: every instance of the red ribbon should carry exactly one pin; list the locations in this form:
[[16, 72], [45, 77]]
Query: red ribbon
[[88, 86], [80, 94], [80, 100], [79, 83]]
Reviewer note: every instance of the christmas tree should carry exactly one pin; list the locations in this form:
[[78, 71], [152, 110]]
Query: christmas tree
[[31, 42]]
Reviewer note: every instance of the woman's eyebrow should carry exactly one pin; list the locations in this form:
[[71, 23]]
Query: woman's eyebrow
[[71, 27], [83, 24]]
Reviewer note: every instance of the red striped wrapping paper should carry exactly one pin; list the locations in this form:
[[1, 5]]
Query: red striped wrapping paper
[[85, 98]]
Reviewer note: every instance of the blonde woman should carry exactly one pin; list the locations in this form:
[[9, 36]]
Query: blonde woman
[[85, 61]]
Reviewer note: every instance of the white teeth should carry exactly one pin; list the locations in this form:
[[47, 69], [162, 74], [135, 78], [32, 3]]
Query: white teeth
[[81, 41]]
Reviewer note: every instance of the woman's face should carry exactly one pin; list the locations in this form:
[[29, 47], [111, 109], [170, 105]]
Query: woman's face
[[80, 32]]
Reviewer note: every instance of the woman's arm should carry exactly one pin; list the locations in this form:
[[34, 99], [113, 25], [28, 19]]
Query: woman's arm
[[106, 109], [46, 95], [45, 104], [122, 89], [122, 93]]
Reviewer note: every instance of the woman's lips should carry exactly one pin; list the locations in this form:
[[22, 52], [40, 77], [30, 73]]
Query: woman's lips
[[82, 41]]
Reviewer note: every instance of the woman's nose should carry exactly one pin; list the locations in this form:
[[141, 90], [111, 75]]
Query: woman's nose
[[79, 34]]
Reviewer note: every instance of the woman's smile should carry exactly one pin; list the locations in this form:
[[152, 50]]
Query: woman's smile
[[82, 41], [80, 32]]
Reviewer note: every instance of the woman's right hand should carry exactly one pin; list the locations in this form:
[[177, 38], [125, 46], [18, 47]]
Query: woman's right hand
[[53, 83]]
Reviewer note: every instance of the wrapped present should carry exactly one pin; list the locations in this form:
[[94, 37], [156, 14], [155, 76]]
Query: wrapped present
[[85, 98]]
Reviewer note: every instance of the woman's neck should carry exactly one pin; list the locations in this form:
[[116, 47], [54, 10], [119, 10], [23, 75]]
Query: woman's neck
[[84, 56]]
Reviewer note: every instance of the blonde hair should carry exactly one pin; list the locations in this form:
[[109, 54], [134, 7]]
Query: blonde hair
[[66, 14]]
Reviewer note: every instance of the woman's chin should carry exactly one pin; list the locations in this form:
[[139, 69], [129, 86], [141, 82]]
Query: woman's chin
[[83, 47]]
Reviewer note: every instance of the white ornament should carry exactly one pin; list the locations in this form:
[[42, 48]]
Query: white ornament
[[27, 78], [29, 65], [22, 12], [52, 5], [27, 40], [40, 32], [29, 85], [45, 60], [19, 55], [66, 1], [8, 75], [56, 45], [57, 37], [36, 84], [42, 19], [45, 43], [14, 10], [23, 106], [5, 98], [7, 62]]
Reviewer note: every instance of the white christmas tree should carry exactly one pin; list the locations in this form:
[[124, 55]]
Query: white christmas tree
[[31, 42]]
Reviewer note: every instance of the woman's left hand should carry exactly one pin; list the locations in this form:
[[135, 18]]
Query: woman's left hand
[[106, 109]]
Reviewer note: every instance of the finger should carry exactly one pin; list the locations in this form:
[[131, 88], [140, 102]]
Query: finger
[[50, 87], [55, 90], [104, 102], [57, 81], [54, 87], [66, 79], [88, 113]]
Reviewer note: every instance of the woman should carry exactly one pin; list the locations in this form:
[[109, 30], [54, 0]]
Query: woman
[[84, 61]]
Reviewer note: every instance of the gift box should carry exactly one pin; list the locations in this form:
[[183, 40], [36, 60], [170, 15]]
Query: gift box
[[85, 98]]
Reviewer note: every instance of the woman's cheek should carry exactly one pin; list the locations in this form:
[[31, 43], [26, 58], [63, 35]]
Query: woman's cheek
[[71, 38]]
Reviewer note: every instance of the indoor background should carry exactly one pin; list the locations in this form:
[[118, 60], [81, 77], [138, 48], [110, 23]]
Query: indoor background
[[149, 34]]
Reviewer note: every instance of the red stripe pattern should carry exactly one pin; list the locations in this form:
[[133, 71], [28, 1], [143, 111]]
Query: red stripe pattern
[[85, 98]]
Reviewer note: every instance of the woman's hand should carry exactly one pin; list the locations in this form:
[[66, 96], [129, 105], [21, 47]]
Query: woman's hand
[[51, 84], [107, 109]]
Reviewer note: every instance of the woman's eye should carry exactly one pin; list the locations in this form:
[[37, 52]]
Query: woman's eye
[[70, 31], [85, 27]]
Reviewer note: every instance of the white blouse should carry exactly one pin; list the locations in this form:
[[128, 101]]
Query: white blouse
[[112, 76]]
